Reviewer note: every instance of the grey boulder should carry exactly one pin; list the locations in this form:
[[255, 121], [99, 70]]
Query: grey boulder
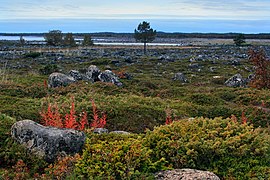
[[180, 77], [185, 174], [236, 81], [76, 75], [47, 142], [109, 77], [92, 73], [100, 131], [59, 79]]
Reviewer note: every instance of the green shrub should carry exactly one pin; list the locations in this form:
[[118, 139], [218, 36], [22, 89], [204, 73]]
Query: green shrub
[[21, 108], [259, 116], [227, 95], [211, 111], [5, 125], [48, 69], [32, 55], [11, 152], [230, 150], [116, 157], [205, 99]]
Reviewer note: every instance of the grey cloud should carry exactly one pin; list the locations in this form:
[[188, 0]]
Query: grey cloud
[[247, 5]]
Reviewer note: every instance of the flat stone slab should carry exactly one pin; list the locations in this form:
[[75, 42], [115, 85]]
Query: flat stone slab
[[186, 174]]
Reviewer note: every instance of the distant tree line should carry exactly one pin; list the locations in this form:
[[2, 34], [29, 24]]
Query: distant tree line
[[212, 35], [57, 38]]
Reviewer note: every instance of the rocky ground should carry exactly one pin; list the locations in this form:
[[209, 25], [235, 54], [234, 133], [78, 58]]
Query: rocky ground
[[18, 57]]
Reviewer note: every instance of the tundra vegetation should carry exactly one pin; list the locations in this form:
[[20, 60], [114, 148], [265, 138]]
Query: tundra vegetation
[[173, 101]]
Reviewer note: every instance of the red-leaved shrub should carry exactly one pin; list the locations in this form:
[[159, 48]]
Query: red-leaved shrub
[[52, 117], [98, 122]]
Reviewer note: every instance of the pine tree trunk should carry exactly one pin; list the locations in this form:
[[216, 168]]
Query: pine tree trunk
[[144, 48]]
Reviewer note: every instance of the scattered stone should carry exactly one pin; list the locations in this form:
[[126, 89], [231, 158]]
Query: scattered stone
[[59, 79], [236, 81], [250, 78], [218, 80], [109, 77], [107, 67], [100, 131], [194, 66], [129, 60], [92, 73], [115, 62], [120, 132], [186, 174], [180, 77], [47, 142], [212, 69], [76, 75], [235, 62]]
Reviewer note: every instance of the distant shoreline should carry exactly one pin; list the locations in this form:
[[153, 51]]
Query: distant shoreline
[[159, 35]]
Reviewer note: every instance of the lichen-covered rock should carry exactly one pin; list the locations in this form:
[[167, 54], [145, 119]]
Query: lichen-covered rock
[[100, 130], [109, 77], [47, 142], [59, 79], [93, 73], [76, 75], [180, 77], [186, 174], [236, 81]]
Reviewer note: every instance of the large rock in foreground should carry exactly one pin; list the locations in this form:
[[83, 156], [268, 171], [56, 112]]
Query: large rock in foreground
[[47, 142], [185, 174], [59, 79]]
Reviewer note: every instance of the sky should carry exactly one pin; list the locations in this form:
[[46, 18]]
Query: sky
[[248, 11]]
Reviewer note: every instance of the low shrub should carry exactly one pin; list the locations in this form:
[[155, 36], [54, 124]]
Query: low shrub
[[63, 168], [205, 99], [260, 116], [227, 95], [211, 111], [13, 155], [48, 69], [32, 55], [116, 157], [231, 150]]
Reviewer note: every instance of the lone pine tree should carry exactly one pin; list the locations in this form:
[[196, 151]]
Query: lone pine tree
[[145, 34]]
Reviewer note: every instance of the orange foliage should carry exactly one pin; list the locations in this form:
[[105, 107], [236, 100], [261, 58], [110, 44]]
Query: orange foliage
[[262, 73], [234, 118], [168, 116], [168, 120], [45, 84], [98, 122], [244, 119], [83, 121], [52, 117], [62, 168], [70, 119]]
